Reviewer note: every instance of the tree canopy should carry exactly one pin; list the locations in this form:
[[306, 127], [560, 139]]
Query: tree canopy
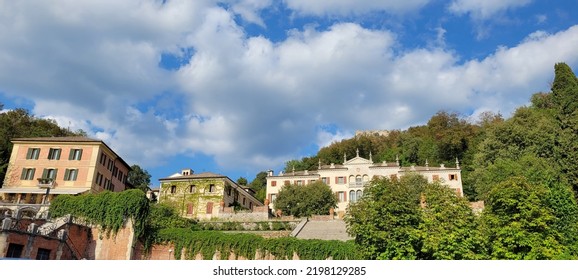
[[139, 178], [302, 201]]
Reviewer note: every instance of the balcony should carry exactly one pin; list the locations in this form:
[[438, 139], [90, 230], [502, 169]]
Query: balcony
[[47, 183], [357, 184]]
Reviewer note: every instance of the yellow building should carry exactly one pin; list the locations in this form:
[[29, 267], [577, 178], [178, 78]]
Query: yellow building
[[204, 195], [43, 167]]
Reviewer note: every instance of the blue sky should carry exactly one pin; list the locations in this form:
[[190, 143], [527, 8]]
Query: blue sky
[[241, 86]]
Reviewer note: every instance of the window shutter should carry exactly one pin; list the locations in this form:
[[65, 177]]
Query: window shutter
[[336, 180], [71, 154], [79, 154], [75, 175], [209, 208], [67, 174], [58, 154], [344, 196], [23, 176], [33, 171], [45, 173], [55, 173], [345, 180], [29, 153]]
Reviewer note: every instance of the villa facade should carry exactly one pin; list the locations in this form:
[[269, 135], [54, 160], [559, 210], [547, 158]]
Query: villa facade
[[348, 180]]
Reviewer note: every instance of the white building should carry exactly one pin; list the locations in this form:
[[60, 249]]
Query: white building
[[349, 179]]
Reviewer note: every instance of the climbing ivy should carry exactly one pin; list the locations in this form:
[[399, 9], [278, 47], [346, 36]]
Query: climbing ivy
[[107, 209], [247, 245]]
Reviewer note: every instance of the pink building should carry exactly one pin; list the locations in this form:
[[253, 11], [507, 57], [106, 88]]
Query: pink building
[[41, 168]]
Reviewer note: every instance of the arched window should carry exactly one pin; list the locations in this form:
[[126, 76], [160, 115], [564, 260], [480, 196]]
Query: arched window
[[358, 194], [352, 197]]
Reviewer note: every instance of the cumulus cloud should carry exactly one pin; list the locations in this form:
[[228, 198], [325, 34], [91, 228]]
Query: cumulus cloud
[[353, 7], [484, 9], [248, 101]]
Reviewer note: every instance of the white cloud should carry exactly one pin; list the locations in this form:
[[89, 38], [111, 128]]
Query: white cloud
[[248, 101], [353, 7], [484, 9]]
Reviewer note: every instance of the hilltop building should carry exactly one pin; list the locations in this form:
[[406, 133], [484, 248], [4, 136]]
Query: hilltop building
[[348, 180], [205, 195], [44, 167]]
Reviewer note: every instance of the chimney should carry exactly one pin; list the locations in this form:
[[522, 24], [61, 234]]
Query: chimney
[[187, 171]]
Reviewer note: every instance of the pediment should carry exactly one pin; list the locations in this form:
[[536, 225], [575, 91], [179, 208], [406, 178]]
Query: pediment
[[358, 160]]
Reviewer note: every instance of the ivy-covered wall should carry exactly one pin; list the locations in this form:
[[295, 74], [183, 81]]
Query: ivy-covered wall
[[192, 196]]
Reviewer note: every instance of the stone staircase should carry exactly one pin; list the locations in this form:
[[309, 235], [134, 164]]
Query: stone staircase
[[324, 230]]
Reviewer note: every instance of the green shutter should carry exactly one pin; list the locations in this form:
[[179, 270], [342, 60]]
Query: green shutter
[[66, 174], [55, 173], [71, 154], [44, 173], [29, 153], [75, 175], [23, 176], [58, 154], [33, 171], [79, 154]]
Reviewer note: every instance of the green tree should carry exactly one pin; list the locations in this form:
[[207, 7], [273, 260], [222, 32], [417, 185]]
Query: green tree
[[517, 224], [139, 178], [303, 201], [385, 220], [242, 181], [259, 185], [565, 100], [411, 219]]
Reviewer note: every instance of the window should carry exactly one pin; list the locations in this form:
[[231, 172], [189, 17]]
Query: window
[[192, 188], [120, 175], [453, 177], [106, 184], [114, 171], [299, 182], [103, 158], [273, 197], [358, 195], [75, 154], [209, 208], [212, 188], [393, 177], [273, 183], [325, 180], [99, 179], [243, 201], [27, 174], [341, 197], [340, 180], [173, 189], [436, 178], [250, 205], [54, 153], [286, 183], [352, 196], [33, 153], [189, 208], [43, 254], [70, 174], [49, 173], [236, 196], [110, 164], [14, 250]]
